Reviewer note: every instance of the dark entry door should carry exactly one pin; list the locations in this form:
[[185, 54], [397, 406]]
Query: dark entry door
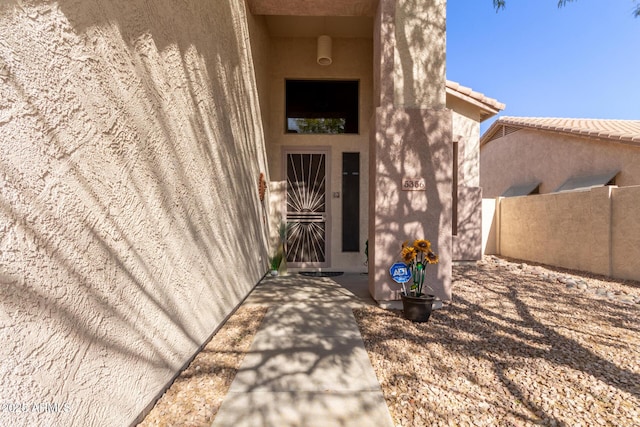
[[307, 209]]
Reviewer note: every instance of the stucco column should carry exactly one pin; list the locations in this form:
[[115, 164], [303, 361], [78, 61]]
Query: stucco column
[[412, 138]]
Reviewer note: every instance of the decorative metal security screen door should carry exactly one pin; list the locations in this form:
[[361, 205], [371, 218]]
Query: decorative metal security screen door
[[306, 209]]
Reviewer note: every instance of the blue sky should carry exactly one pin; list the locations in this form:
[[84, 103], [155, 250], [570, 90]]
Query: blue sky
[[578, 61]]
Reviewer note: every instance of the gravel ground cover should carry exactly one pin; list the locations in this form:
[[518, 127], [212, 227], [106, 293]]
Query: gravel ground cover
[[195, 396], [519, 345], [516, 347]]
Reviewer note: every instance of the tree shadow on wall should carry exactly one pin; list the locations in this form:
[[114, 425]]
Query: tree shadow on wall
[[412, 140], [144, 228]]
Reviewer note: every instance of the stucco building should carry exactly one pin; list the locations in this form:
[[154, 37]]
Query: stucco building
[[526, 155], [579, 187], [469, 109], [149, 152]]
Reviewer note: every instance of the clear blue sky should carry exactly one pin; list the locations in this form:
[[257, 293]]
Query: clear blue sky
[[578, 61]]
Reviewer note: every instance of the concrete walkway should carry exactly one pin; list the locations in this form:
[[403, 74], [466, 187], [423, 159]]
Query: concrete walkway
[[307, 365]]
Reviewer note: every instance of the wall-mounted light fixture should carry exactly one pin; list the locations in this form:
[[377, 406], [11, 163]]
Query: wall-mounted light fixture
[[324, 50]]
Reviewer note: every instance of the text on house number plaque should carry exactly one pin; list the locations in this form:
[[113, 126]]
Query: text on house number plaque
[[413, 184]]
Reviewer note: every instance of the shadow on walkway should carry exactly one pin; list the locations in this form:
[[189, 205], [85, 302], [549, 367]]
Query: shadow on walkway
[[307, 365]]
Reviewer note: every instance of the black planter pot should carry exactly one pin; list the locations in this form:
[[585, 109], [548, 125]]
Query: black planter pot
[[417, 309]]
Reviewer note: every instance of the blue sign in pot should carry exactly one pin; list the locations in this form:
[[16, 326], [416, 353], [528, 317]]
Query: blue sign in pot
[[400, 273]]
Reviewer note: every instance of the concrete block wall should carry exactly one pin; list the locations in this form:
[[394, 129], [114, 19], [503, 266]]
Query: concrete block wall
[[595, 231], [556, 229], [625, 233], [490, 221], [130, 222]]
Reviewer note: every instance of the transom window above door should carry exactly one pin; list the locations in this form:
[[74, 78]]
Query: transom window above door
[[322, 106]]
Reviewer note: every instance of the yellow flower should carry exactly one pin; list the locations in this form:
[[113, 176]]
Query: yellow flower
[[408, 254], [432, 258], [422, 245]]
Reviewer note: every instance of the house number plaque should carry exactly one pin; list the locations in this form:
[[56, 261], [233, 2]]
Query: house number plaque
[[413, 184]]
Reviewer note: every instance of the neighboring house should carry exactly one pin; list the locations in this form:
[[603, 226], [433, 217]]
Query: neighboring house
[[133, 139], [579, 187], [522, 155], [469, 108]]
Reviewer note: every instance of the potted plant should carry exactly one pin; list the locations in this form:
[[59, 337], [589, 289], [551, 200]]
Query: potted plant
[[274, 263], [415, 302], [278, 262]]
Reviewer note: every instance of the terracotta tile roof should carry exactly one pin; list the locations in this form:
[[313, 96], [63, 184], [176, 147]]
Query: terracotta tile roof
[[490, 106], [624, 131]]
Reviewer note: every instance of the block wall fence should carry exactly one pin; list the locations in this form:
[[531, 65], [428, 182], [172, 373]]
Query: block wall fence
[[596, 231]]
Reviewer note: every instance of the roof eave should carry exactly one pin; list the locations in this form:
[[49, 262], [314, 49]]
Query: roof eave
[[606, 137], [488, 107], [486, 137]]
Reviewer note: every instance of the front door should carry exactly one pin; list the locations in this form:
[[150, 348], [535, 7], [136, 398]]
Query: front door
[[307, 208]]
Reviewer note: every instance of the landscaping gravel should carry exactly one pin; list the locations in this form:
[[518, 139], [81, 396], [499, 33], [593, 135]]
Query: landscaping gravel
[[195, 396], [513, 349], [519, 345]]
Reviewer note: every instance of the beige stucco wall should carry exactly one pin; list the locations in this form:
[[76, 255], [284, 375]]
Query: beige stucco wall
[[411, 138], [414, 144], [490, 221], [556, 229], [259, 43], [130, 224], [550, 158], [409, 70], [466, 130], [295, 58], [595, 231], [419, 72], [625, 233], [467, 239]]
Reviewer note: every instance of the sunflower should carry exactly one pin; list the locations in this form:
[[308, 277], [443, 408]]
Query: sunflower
[[422, 245], [416, 257], [408, 254]]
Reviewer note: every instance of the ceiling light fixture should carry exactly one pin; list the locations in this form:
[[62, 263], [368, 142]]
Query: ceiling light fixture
[[324, 50]]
